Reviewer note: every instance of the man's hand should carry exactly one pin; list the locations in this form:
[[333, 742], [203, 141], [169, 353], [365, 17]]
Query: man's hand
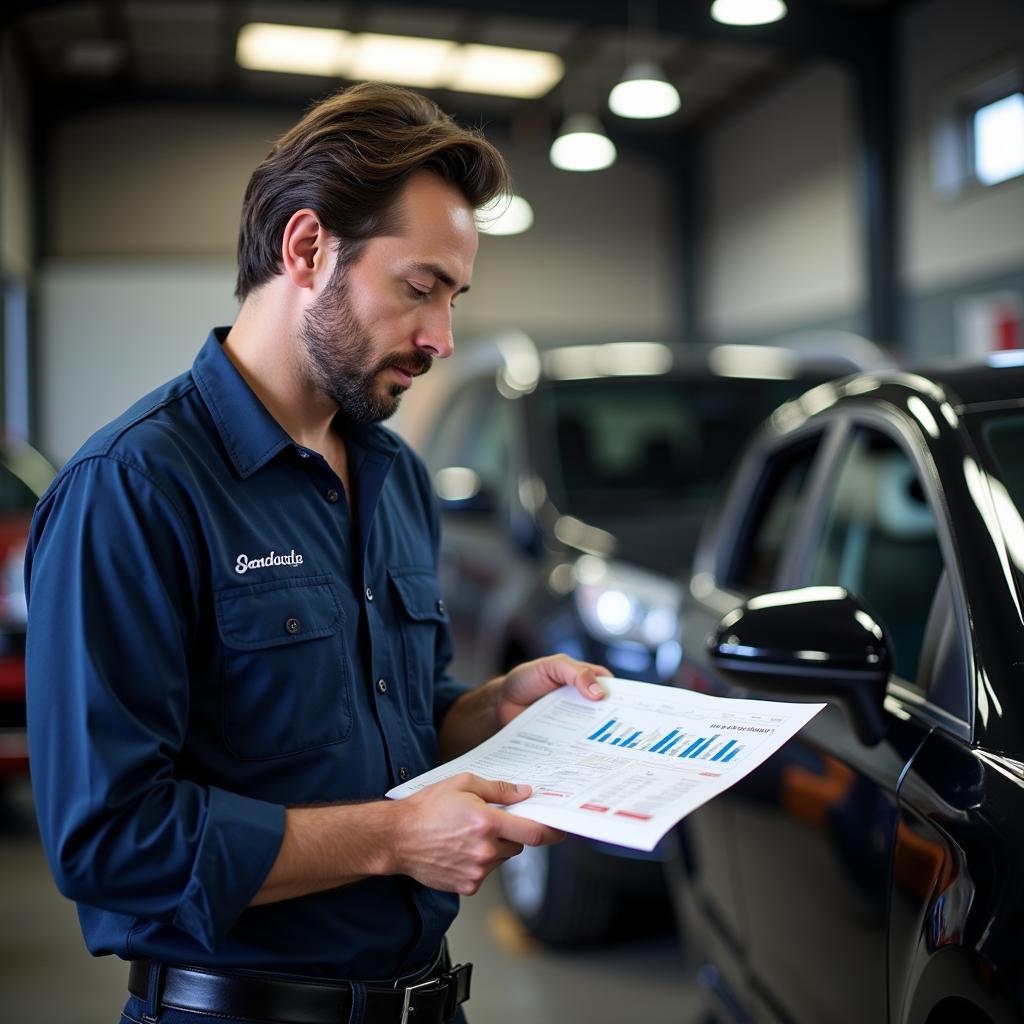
[[479, 714], [448, 837], [532, 680]]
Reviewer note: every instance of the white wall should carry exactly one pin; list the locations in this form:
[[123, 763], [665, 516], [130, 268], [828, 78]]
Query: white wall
[[141, 194], [783, 243], [947, 47]]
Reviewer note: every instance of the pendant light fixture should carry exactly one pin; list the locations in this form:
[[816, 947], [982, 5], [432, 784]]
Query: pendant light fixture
[[748, 12], [582, 145], [644, 92]]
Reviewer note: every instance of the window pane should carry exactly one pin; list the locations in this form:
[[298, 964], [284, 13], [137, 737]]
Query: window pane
[[880, 543], [768, 527], [999, 140]]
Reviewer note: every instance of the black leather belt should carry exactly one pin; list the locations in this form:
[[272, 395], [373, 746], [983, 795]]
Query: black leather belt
[[260, 997]]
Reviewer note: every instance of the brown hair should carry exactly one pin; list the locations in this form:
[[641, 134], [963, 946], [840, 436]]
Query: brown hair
[[347, 160]]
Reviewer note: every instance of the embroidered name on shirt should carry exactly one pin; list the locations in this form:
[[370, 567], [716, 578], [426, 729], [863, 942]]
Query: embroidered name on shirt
[[244, 563]]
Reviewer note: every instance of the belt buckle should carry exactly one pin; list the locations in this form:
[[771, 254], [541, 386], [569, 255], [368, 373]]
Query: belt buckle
[[454, 982], [407, 1006]]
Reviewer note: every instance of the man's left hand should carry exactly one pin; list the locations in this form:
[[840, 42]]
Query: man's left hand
[[532, 680]]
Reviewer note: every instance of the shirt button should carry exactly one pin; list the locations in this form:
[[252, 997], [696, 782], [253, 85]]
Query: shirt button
[[332, 495], [303, 455], [440, 607], [382, 685], [369, 593], [293, 626], [402, 774]]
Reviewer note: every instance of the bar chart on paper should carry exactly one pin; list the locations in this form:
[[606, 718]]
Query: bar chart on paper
[[669, 743]]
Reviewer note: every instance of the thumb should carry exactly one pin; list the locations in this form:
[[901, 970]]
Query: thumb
[[495, 791]]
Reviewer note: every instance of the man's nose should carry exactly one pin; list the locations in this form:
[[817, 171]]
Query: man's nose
[[435, 333]]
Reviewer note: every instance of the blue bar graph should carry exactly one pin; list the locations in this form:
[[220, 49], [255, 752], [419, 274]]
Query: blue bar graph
[[602, 734], [724, 750], [630, 741], [700, 750], [732, 753], [690, 750], [663, 742]]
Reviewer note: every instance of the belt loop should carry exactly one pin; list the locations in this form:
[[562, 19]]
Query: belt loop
[[154, 992], [358, 1002]]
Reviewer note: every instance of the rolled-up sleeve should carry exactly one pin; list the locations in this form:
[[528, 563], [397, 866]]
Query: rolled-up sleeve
[[112, 577]]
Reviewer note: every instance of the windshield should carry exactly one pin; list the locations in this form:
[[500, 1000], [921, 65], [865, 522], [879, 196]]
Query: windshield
[[635, 440], [1004, 437]]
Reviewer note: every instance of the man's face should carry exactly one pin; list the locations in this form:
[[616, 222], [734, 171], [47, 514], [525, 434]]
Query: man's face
[[382, 320]]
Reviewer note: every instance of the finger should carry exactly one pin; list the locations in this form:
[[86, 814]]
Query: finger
[[493, 791], [529, 833], [505, 849]]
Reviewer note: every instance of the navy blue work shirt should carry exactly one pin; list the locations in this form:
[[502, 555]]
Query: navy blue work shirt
[[215, 635]]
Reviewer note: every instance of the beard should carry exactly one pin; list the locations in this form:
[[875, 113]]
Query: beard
[[339, 349]]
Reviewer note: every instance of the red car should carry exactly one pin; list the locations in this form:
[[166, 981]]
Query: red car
[[24, 475]]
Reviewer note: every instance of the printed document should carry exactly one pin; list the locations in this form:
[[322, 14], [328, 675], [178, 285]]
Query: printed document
[[625, 769]]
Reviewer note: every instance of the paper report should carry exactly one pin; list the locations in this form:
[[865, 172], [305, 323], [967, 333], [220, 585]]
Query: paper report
[[625, 769]]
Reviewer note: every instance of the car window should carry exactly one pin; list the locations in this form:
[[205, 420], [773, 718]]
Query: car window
[[619, 441], [880, 542], [487, 449], [454, 430], [770, 519]]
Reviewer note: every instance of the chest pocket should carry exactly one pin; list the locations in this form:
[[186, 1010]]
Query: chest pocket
[[285, 680], [422, 614]]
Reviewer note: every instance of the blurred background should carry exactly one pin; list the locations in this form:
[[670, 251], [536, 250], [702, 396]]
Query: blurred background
[[851, 170]]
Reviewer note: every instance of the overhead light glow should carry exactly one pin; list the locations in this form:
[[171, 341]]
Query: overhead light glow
[[511, 215], [504, 71], [404, 60], [291, 48], [582, 145], [748, 12], [401, 59], [644, 92]]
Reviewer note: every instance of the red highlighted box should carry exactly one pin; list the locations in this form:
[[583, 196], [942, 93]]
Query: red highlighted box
[[593, 807], [633, 814]]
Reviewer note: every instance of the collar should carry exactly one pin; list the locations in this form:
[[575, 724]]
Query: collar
[[251, 436]]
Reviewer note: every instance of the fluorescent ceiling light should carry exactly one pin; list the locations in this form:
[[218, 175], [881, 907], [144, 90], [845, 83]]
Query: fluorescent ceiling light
[[291, 48], [582, 145], [401, 59], [748, 12], [503, 71], [644, 92], [404, 60], [508, 216]]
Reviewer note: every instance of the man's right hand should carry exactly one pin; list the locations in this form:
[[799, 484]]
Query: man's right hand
[[449, 837]]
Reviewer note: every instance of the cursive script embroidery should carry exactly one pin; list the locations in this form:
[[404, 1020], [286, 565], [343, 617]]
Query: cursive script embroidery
[[244, 563]]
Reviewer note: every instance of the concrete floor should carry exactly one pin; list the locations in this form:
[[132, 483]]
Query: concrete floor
[[46, 977]]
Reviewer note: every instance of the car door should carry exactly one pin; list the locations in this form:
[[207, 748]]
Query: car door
[[815, 832], [741, 554]]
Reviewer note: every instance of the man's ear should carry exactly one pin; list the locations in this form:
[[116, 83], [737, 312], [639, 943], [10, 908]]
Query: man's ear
[[304, 250]]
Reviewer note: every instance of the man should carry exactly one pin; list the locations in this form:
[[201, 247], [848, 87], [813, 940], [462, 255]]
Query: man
[[237, 643]]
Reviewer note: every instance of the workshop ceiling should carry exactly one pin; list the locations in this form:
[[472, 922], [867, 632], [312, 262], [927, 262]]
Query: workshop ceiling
[[89, 52]]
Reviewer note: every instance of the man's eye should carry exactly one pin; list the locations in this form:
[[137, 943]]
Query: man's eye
[[419, 293]]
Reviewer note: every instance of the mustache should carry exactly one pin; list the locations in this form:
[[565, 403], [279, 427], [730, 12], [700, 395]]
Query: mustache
[[415, 363]]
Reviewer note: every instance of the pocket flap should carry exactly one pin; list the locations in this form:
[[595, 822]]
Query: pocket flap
[[277, 612], [420, 594]]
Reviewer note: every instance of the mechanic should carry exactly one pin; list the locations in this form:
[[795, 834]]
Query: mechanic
[[237, 643]]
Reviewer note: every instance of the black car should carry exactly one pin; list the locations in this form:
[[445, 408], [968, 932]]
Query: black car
[[869, 552], [573, 483]]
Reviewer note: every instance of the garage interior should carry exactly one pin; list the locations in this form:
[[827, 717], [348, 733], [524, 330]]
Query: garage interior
[[818, 186]]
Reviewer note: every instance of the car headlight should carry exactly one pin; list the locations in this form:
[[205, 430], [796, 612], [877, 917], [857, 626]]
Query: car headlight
[[619, 603]]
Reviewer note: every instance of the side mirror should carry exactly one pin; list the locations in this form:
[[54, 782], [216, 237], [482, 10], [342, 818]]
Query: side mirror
[[818, 642], [460, 489]]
